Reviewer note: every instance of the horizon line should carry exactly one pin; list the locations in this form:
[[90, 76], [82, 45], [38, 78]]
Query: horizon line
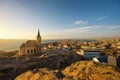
[[59, 39]]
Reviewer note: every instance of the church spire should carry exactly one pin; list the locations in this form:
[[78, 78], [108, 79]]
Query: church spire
[[38, 33], [38, 37]]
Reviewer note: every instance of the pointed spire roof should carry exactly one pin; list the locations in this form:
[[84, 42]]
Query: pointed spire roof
[[38, 33]]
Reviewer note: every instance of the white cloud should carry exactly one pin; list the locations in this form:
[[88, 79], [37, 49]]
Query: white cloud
[[113, 27], [102, 17], [80, 22], [76, 30], [83, 29]]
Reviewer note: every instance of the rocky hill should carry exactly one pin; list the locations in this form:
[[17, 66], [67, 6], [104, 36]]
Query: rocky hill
[[81, 70]]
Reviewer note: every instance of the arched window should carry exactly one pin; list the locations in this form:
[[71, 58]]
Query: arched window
[[28, 51], [31, 51], [34, 50]]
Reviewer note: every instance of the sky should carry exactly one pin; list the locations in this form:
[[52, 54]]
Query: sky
[[59, 19]]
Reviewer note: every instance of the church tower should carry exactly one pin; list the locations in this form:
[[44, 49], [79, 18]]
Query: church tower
[[38, 38]]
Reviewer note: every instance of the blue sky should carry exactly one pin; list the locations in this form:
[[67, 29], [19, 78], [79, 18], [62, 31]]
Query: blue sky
[[59, 19]]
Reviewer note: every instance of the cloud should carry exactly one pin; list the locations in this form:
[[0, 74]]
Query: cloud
[[80, 22], [113, 27], [76, 30], [83, 29], [102, 17]]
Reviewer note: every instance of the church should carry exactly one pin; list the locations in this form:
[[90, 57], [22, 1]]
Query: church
[[31, 46]]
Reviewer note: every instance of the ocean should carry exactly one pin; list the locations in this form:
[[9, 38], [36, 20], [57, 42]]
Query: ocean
[[12, 44]]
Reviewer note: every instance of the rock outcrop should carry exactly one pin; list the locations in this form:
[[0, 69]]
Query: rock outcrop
[[87, 70], [81, 70]]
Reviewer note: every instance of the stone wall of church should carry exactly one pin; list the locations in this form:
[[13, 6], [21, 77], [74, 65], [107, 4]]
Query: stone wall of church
[[30, 50]]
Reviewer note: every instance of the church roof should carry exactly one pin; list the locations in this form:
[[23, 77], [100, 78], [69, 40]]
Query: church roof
[[31, 43], [22, 46]]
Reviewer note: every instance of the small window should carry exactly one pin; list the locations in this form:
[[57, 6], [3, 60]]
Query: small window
[[34, 50], [31, 51]]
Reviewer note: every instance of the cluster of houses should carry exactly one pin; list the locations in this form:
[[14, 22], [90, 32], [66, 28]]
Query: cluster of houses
[[35, 47], [86, 45]]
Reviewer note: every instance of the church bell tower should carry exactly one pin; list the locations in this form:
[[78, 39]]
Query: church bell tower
[[38, 38]]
